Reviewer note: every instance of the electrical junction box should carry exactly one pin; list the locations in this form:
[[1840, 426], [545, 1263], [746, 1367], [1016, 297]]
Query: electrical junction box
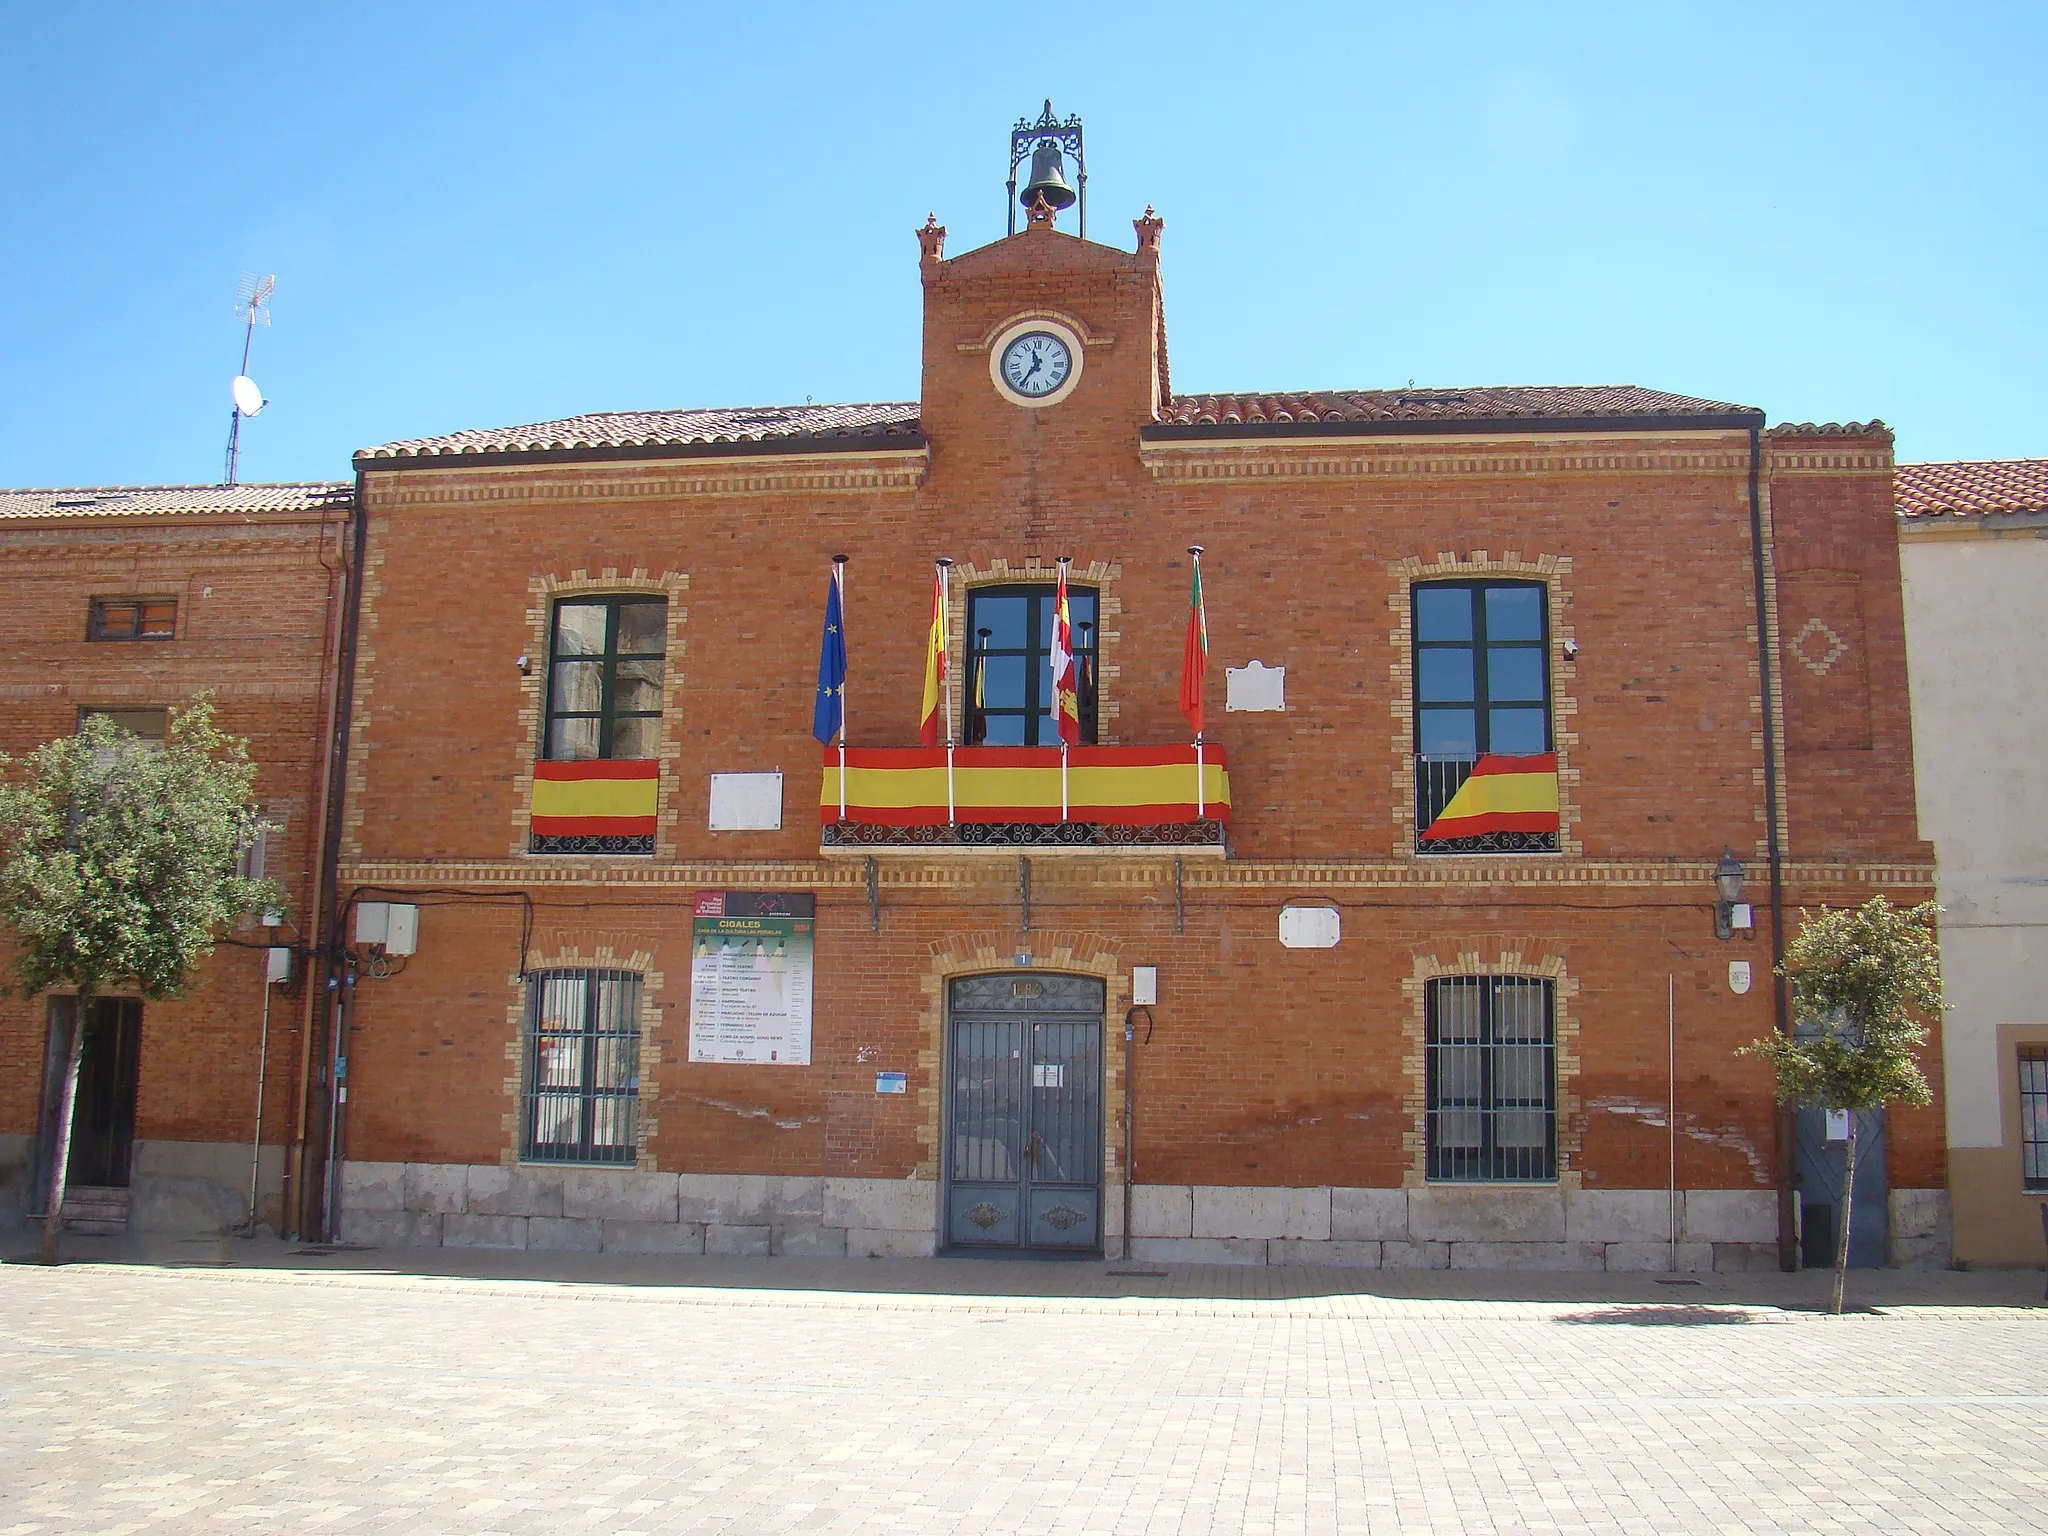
[[277, 963], [373, 921], [392, 926], [1144, 985]]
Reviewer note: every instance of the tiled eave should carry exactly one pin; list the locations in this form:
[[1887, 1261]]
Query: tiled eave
[[893, 444], [1455, 426]]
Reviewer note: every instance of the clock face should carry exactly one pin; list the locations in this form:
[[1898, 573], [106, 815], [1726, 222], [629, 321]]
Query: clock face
[[1036, 364]]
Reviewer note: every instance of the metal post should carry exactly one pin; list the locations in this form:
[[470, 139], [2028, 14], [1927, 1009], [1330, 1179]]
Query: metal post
[[1671, 1104], [262, 1072]]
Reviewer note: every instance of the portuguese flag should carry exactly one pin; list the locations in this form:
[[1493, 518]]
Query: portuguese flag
[[1503, 794]]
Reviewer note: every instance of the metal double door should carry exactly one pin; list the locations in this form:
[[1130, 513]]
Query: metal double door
[[1024, 1118]]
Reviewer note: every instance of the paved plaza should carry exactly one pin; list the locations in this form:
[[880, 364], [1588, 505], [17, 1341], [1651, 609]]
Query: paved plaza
[[251, 1388]]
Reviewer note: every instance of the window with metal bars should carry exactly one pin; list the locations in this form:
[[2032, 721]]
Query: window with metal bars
[[1491, 1059], [2034, 1116], [605, 678], [1009, 684], [581, 1100], [132, 618]]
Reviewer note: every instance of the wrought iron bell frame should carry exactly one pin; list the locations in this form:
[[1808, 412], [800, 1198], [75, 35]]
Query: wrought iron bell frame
[[1027, 136]]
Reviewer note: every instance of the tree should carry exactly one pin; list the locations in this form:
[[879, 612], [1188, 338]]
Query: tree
[[1861, 983], [117, 869]]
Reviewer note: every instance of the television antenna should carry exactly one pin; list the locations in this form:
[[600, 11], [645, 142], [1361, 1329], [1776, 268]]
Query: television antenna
[[252, 303]]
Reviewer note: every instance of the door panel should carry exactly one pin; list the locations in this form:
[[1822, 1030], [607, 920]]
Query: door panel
[[1820, 1167]]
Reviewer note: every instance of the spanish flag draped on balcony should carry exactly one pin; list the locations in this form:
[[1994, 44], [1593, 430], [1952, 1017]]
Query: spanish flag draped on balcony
[[1502, 794], [605, 798]]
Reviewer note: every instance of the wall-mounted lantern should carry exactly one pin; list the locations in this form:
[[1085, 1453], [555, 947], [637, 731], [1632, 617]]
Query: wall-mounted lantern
[[1730, 910]]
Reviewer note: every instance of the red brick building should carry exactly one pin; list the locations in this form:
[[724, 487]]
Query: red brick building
[[131, 599], [1498, 675]]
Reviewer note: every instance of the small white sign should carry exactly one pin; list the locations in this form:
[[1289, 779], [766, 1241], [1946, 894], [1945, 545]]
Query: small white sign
[[1254, 687], [1048, 1074], [1144, 985], [892, 1082], [1838, 1125], [1309, 927], [746, 802], [1738, 976]]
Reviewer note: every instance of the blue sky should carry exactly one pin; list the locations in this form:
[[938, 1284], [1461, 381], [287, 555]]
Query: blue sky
[[488, 214]]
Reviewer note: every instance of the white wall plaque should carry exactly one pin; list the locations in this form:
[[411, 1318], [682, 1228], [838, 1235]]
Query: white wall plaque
[[1738, 976], [1838, 1125], [746, 802], [1309, 927], [1253, 687]]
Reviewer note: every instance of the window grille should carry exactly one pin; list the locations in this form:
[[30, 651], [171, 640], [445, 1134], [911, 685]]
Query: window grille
[[1482, 685], [1009, 665], [605, 678], [1492, 1079], [2034, 1116], [132, 618], [582, 1086]]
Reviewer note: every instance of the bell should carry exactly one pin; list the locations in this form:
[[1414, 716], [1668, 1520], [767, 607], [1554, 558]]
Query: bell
[[1048, 179]]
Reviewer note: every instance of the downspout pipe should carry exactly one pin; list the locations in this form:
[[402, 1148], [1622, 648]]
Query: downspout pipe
[[1788, 1230], [306, 1200]]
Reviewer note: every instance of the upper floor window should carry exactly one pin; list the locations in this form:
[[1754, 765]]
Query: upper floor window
[[582, 1088], [1492, 1079], [149, 724], [1482, 691], [605, 665], [132, 618], [2034, 1116], [1009, 664]]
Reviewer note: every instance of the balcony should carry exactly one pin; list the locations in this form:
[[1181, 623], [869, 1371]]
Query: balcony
[[1486, 804], [1021, 797]]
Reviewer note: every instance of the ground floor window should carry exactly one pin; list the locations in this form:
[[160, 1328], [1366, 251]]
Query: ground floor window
[[2034, 1116], [1492, 1079], [582, 1088]]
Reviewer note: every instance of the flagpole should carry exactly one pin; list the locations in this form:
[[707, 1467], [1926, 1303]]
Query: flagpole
[[839, 575], [1058, 709], [945, 690], [1201, 788]]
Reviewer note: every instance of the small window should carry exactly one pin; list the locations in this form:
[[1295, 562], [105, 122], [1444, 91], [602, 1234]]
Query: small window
[[582, 1089], [132, 618], [605, 670], [1492, 1080], [2034, 1116], [149, 724], [1009, 665]]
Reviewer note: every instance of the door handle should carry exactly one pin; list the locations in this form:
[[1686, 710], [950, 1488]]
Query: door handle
[[1031, 1151]]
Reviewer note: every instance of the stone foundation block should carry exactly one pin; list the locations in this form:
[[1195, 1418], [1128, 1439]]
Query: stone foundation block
[[1374, 1215], [900, 1205], [561, 1234], [737, 1242], [1486, 1213], [1199, 1250], [889, 1243], [1222, 1210], [438, 1187], [1731, 1216], [1921, 1253], [1738, 1258], [1415, 1255], [483, 1231], [1617, 1215], [1919, 1213], [391, 1229], [514, 1191], [373, 1186], [1338, 1254], [807, 1241], [748, 1200], [1571, 1257], [1655, 1258], [624, 1195], [1162, 1210], [652, 1236]]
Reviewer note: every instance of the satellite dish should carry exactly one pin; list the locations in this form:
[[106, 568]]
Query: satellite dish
[[248, 398]]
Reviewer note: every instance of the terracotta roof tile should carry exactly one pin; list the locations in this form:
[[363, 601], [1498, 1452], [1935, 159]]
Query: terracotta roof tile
[[1546, 402], [777, 424], [1980, 486], [174, 500], [1870, 428]]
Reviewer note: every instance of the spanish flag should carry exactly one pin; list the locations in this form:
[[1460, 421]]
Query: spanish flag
[[934, 662], [608, 798], [1066, 703], [1503, 794]]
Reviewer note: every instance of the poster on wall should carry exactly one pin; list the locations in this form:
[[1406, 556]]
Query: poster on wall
[[750, 977]]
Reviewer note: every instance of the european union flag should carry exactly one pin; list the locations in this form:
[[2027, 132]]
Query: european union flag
[[830, 713]]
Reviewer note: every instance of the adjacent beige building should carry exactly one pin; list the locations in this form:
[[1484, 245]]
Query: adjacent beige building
[[1975, 554]]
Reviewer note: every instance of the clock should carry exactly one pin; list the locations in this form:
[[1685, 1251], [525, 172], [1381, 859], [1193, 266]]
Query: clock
[[1035, 362]]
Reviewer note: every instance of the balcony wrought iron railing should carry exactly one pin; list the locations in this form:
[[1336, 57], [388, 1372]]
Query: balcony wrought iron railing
[[1486, 804], [1170, 797]]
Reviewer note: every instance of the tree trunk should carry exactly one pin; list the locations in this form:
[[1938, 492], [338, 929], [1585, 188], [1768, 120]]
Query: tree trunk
[[1848, 1208], [60, 1145]]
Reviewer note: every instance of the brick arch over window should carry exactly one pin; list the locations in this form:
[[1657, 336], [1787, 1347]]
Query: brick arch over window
[[593, 954], [1554, 571], [1493, 956], [609, 582], [1075, 951]]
